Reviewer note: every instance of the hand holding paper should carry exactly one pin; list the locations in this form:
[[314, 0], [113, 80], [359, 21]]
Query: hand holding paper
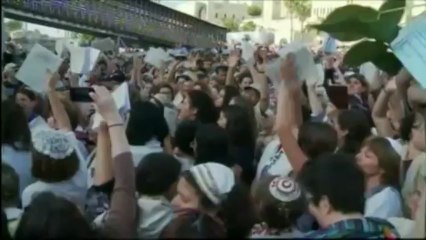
[[121, 99]]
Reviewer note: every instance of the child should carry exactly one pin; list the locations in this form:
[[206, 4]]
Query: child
[[279, 202]]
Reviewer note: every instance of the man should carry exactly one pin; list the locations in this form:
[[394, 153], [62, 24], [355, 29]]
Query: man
[[335, 193]]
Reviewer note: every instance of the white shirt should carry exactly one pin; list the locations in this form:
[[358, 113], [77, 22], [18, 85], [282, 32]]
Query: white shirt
[[139, 152], [21, 162], [68, 189], [273, 161], [384, 204]]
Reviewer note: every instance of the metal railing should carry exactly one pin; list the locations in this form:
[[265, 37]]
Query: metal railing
[[136, 18]]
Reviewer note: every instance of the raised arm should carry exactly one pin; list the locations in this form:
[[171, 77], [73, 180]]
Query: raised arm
[[258, 73], [233, 60], [103, 159], [58, 109], [383, 125], [121, 221], [288, 110]]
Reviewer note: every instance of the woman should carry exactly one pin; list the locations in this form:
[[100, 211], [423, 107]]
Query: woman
[[279, 203], [30, 103], [380, 164], [51, 216], [55, 163], [184, 138], [236, 121], [199, 106], [146, 130], [16, 142], [211, 204], [211, 144], [352, 127]]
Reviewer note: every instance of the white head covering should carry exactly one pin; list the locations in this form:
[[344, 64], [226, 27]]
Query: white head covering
[[284, 189], [215, 180], [53, 143]]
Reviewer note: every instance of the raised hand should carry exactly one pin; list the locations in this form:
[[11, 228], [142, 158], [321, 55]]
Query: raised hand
[[52, 80], [234, 58], [288, 69], [391, 86], [105, 105]]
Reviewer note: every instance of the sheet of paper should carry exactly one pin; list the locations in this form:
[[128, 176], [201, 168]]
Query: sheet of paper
[[83, 59], [122, 101], [156, 57], [35, 68], [330, 45], [263, 38], [247, 50], [410, 48], [179, 52], [105, 45], [306, 68]]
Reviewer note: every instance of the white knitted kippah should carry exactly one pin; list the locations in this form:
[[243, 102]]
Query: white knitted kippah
[[53, 143], [215, 180]]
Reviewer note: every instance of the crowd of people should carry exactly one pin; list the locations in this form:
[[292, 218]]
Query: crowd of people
[[213, 147]]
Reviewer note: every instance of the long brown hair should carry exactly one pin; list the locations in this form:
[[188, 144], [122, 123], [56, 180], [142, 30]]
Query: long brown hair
[[388, 159]]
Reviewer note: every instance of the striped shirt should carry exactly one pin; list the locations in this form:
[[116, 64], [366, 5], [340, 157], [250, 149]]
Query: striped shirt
[[357, 228]]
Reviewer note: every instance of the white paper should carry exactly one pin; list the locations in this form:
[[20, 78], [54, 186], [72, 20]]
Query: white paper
[[247, 50], [273, 71], [304, 60], [410, 48], [156, 57], [83, 59], [263, 38], [330, 45], [122, 101], [179, 52], [106, 44], [34, 71]]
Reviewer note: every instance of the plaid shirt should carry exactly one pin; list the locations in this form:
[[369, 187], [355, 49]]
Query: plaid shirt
[[357, 228]]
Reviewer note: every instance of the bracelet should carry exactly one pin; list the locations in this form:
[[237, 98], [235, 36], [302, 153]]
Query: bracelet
[[115, 125]]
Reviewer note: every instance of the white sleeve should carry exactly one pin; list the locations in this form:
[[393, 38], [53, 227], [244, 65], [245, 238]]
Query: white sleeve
[[384, 204]]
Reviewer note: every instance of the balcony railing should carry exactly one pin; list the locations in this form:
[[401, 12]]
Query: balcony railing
[[139, 19]]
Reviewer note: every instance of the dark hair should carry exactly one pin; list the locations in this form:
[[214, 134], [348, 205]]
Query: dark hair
[[212, 145], [5, 234], [14, 126], [242, 76], [206, 110], [230, 93], [244, 103], [253, 90], [364, 83], [27, 92], [40, 103], [388, 160], [275, 213], [358, 127], [236, 211], [316, 138], [52, 170], [156, 174], [9, 186], [239, 126], [185, 135], [406, 125], [146, 122], [49, 216], [330, 175]]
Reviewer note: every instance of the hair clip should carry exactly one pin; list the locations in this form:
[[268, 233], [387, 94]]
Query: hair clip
[[284, 189]]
